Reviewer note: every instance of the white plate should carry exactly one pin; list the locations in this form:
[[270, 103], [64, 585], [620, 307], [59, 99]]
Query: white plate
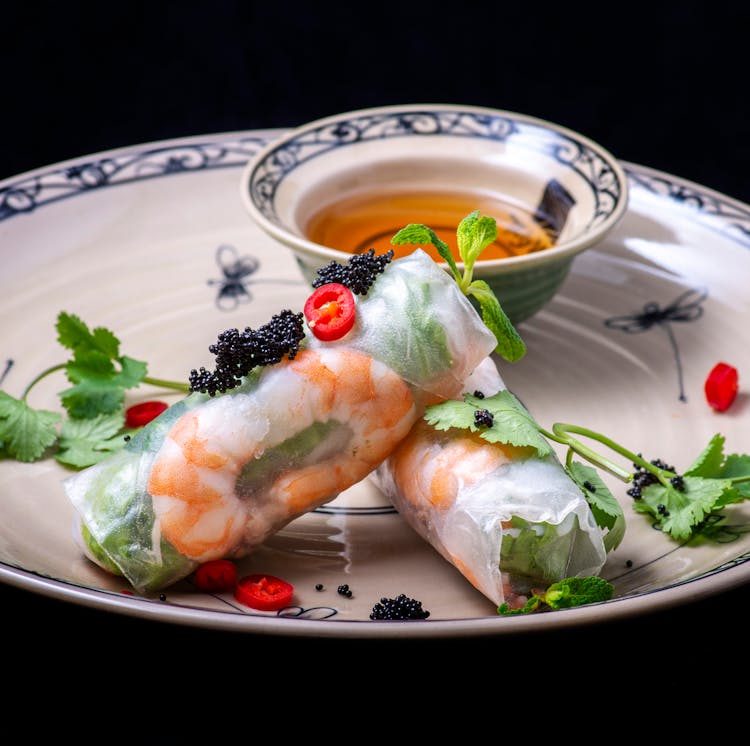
[[141, 240]]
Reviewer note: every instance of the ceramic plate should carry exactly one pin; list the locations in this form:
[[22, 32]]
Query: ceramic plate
[[153, 242]]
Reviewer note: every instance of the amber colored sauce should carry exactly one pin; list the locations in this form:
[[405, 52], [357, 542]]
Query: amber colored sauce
[[370, 219]]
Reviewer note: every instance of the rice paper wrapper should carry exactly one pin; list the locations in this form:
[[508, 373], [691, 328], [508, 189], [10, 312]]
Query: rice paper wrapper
[[418, 322], [523, 526], [414, 321], [519, 527]]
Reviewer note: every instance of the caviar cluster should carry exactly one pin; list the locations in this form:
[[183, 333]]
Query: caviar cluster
[[483, 418], [344, 590], [401, 607], [237, 353], [358, 274], [643, 478]]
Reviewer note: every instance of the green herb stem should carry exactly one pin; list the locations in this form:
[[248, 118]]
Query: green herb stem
[[560, 435], [158, 382], [41, 376], [162, 383]]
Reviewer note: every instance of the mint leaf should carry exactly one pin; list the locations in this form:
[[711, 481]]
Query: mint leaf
[[84, 442], [474, 235], [25, 432], [565, 594], [510, 346], [416, 233]]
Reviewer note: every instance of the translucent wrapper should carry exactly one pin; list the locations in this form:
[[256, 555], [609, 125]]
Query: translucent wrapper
[[510, 523], [214, 477]]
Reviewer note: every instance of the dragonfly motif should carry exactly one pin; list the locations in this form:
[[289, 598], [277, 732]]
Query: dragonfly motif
[[683, 308]]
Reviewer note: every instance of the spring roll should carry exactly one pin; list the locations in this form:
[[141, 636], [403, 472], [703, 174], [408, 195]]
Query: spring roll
[[219, 472], [509, 521]]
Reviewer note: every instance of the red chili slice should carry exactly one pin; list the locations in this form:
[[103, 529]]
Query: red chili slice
[[721, 386], [141, 414], [263, 592], [330, 311], [216, 576]]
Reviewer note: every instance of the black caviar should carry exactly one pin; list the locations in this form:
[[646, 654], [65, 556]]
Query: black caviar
[[590, 487], [479, 394], [483, 418], [344, 590], [237, 353], [401, 607], [643, 478], [358, 274]]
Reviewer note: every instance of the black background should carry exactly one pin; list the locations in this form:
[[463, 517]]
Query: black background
[[663, 86]]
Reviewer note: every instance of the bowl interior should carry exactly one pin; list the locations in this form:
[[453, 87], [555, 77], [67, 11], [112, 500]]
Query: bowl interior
[[562, 182]]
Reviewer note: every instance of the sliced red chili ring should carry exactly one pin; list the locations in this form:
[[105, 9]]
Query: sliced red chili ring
[[216, 576], [330, 311], [721, 386], [141, 414], [263, 592]]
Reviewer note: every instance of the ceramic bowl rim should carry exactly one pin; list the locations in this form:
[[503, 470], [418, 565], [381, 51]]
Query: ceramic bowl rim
[[559, 252]]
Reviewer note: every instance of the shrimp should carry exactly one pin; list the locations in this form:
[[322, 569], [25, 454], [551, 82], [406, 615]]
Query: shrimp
[[503, 516], [235, 470], [431, 473]]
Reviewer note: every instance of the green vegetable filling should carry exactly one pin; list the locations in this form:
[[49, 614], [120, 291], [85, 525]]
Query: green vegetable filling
[[260, 472], [535, 553]]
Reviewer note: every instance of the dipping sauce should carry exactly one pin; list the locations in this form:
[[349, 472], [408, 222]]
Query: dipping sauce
[[366, 220]]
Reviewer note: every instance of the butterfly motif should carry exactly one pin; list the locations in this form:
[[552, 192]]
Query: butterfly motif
[[236, 269]]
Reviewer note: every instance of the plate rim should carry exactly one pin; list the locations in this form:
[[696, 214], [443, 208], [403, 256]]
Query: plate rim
[[717, 580]]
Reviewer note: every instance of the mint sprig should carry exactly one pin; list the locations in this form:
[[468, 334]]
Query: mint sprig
[[474, 234]]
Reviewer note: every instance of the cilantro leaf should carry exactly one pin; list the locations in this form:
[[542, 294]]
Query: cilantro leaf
[[679, 512], [607, 512], [99, 386], [450, 414], [709, 461], [712, 482], [84, 442], [25, 432], [73, 333], [512, 423], [737, 466]]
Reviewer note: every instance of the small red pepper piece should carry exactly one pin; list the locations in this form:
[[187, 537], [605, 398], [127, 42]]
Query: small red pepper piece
[[330, 311], [216, 576], [263, 592], [141, 414], [721, 386]]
